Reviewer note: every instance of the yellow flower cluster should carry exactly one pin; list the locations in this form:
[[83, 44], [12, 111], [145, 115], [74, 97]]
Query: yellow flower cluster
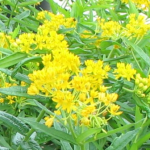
[[125, 71], [76, 91], [55, 21], [135, 28], [143, 4], [6, 40], [110, 29], [46, 37]]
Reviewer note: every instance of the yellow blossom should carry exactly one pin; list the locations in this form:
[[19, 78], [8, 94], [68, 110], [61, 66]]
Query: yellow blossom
[[125, 71], [137, 26], [85, 121], [114, 110], [88, 110], [64, 100], [1, 100], [49, 121]]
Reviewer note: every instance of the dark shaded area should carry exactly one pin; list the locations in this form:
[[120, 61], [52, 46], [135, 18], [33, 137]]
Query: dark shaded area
[[44, 5]]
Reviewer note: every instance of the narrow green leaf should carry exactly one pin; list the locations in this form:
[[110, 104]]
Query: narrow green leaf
[[18, 76], [3, 17], [96, 7], [26, 60], [138, 116], [3, 142], [22, 15], [52, 132], [16, 32], [12, 59], [120, 142], [43, 107], [13, 122], [54, 6], [31, 2], [27, 24], [22, 91], [66, 145], [5, 51], [88, 133], [86, 27], [118, 130], [140, 52], [132, 8]]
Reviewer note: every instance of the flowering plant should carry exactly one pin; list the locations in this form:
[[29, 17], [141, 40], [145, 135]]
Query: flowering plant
[[75, 80]]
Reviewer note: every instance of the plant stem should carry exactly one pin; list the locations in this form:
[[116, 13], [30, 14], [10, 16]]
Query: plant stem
[[82, 147], [71, 128], [128, 90], [40, 116], [12, 13], [136, 60], [111, 52]]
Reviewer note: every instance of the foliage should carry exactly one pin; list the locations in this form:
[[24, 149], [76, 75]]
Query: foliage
[[75, 77]]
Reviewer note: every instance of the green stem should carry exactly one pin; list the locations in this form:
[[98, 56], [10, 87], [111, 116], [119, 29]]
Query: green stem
[[71, 128], [32, 130], [128, 90], [136, 60], [12, 13], [82, 147], [111, 52]]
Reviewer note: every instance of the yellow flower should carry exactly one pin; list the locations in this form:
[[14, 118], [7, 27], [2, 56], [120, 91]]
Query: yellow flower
[[143, 4], [85, 121], [33, 90], [1, 100], [49, 121], [137, 26], [111, 29], [88, 110], [112, 97], [114, 110], [125, 71], [81, 83], [64, 100]]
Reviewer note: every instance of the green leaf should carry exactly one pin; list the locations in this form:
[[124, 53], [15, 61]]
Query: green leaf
[[3, 148], [12, 59], [43, 107], [121, 142], [86, 27], [18, 76], [22, 91], [52, 132], [88, 133], [31, 2], [31, 145], [16, 32], [54, 6], [132, 8], [27, 24], [65, 144], [140, 52], [18, 140], [24, 14], [118, 130], [3, 142], [26, 60], [5, 51], [13, 122]]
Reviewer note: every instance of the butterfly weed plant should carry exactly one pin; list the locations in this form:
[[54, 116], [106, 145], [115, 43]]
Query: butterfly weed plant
[[76, 77]]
